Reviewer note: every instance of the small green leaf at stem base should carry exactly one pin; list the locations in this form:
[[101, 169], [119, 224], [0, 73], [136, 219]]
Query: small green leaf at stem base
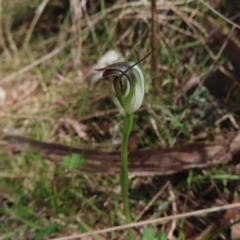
[[73, 160]]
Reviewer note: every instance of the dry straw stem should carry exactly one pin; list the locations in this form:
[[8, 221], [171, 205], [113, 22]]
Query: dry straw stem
[[2, 41], [9, 36], [219, 14], [154, 44], [161, 220], [76, 8], [38, 13], [174, 208], [30, 66]]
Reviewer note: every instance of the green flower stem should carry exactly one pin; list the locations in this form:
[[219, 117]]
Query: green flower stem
[[127, 127]]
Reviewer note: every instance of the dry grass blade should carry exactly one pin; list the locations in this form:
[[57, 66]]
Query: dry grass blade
[[155, 221], [2, 40], [219, 14], [39, 11], [154, 44], [9, 35], [30, 66], [77, 14]]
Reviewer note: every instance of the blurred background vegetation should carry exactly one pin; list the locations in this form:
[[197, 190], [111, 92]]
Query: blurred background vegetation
[[48, 52]]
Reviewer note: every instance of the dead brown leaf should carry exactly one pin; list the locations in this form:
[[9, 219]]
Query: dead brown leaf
[[7, 95], [78, 127]]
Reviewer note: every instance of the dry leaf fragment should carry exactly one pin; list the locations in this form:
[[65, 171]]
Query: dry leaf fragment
[[7, 95], [233, 215], [235, 232], [79, 128]]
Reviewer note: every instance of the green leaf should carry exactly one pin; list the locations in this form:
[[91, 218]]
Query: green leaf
[[54, 227], [73, 161], [162, 236], [148, 234]]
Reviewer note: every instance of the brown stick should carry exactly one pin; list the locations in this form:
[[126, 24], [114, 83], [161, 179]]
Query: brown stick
[[154, 44], [141, 162]]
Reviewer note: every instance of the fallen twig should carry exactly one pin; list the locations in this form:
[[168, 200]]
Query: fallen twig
[[141, 162]]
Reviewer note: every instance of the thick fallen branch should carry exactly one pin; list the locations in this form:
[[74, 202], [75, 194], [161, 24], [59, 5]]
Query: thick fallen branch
[[141, 162]]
